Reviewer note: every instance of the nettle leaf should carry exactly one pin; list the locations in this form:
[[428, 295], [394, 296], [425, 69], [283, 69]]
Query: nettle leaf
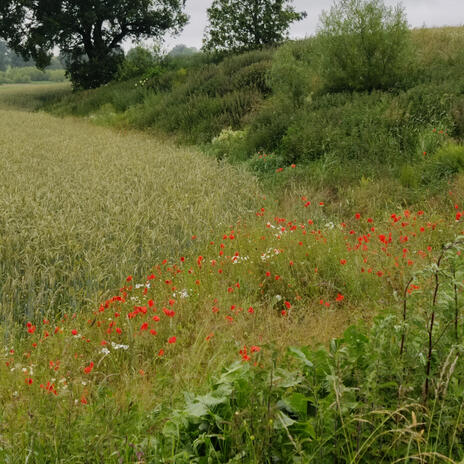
[[301, 354], [171, 429], [196, 409], [296, 403], [233, 373], [283, 421], [286, 379], [212, 399]]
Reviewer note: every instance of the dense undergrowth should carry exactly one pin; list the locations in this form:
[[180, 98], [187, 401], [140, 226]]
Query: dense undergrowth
[[232, 339], [254, 295]]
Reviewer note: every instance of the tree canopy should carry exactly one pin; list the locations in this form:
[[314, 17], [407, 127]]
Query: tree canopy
[[88, 33], [237, 25]]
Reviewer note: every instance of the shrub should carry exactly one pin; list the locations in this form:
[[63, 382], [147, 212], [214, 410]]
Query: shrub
[[229, 144], [56, 75], [448, 161], [365, 45], [439, 53], [137, 62], [349, 126], [294, 71], [268, 125], [253, 76]]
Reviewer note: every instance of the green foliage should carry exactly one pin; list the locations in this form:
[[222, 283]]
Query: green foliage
[[137, 62], [409, 177], [263, 163], [365, 45], [388, 392], [196, 102], [228, 145], [277, 100], [30, 74], [4, 61], [88, 33], [448, 161], [238, 26], [182, 50], [8, 58], [294, 70]]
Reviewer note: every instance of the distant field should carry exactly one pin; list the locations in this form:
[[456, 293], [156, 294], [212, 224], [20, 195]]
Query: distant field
[[82, 206], [31, 96]]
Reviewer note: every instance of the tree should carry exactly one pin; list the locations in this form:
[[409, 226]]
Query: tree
[[88, 33], [364, 45], [182, 50], [137, 62], [17, 61], [4, 56], [238, 25]]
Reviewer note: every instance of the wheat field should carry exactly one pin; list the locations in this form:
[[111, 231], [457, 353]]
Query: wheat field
[[81, 206]]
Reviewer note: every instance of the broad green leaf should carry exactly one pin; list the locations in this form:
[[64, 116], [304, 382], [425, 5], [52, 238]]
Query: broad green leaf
[[283, 421], [299, 354]]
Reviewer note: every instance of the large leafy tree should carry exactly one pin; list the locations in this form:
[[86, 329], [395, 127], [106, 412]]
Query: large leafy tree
[[236, 25], [88, 33]]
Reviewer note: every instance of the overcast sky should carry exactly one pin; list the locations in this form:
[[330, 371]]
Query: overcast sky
[[419, 13]]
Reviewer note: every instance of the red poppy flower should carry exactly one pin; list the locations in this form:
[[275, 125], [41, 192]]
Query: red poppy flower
[[89, 368]]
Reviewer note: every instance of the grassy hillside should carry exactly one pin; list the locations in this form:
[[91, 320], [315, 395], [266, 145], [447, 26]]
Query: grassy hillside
[[276, 101]]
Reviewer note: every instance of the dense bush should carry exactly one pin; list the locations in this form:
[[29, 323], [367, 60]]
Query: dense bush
[[294, 71], [136, 63], [365, 45], [196, 102], [449, 160]]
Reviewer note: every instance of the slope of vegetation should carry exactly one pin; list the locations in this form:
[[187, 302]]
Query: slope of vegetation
[[159, 305], [277, 101]]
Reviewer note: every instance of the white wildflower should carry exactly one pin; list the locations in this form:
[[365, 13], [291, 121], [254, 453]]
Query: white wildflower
[[116, 346]]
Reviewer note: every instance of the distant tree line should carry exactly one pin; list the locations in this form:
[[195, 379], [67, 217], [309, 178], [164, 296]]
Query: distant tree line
[[10, 59]]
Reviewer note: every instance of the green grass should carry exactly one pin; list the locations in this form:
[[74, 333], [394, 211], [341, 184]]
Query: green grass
[[32, 96]]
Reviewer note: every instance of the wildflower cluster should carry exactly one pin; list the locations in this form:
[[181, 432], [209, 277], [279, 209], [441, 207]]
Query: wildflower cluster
[[277, 268]]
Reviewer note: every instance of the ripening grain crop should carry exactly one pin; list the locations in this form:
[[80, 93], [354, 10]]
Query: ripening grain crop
[[82, 206]]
